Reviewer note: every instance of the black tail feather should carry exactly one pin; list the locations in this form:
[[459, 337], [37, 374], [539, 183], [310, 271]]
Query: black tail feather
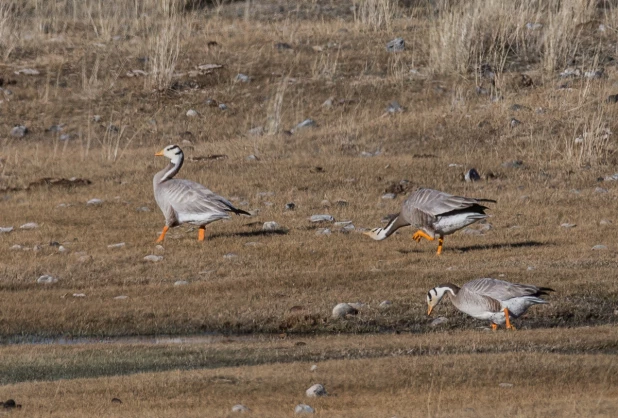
[[240, 211], [486, 200]]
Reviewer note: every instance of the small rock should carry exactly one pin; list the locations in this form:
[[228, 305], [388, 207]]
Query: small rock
[[116, 400], [119, 245], [222, 106], [533, 26], [281, 46], [316, 391], [27, 71], [181, 283], [307, 123], [568, 225], [96, 118], [230, 256], [323, 231], [386, 304], [321, 218], [514, 123], [29, 225], [290, 206], [240, 408], [438, 321], [513, 164], [15, 247], [271, 226], [159, 248], [396, 45], [599, 247], [472, 175], [506, 385], [265, 194], [594, 74], [10, 404], [5, 229], [571, 73], [328, 103], [257, 131], [79, 295], [65, 137], [62, 249], [153, 258], [252, 157], [600, 190], [46, 279], [342, 310], [143, 209], [313, 368], [612, 99], [121, 297], [303, 409], [56, 128], [605, 222], [19, 131], [325, 203], [613, 177], [389, 196], [394, 107], [472, 231], [94, 202], [242, 78], [341, 203], [191, 113]]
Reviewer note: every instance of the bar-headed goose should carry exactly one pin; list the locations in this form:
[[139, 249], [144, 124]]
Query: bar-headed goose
[[184, 201], [434, 214], [491, 299]]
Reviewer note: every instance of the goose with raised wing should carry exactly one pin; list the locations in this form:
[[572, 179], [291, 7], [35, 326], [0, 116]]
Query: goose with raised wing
[[490, 299], [434, 214], [184, 201]]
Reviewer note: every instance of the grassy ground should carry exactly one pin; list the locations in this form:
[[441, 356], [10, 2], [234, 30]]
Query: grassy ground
[[288, 282]]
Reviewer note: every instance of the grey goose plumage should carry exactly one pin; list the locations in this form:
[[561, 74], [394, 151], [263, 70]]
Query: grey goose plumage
[[184, 201], [434, 214], [490, 299]]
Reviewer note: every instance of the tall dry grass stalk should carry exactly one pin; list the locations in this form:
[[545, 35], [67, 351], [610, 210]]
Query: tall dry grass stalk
[[164, 47], [375, 14], [591, 142], [7, 29], [275, 109]]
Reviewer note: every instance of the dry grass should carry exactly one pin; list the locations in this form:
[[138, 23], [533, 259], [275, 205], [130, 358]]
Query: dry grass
[[84, 51]]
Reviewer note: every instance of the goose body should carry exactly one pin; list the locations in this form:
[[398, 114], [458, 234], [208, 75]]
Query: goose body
[[434, 214], [490, 299], [184, 201]]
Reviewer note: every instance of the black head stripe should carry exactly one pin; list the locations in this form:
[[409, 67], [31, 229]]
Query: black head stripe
[[429, 295], [172, 147], [178, 153]]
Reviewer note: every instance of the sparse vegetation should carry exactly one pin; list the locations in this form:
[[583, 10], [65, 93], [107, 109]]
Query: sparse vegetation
[[519, 90]]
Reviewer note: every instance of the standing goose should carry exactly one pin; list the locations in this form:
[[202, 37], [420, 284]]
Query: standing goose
[[433, 213], [490, 299], [184, 201]]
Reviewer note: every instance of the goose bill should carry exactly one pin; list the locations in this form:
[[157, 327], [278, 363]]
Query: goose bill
[[159, 154]]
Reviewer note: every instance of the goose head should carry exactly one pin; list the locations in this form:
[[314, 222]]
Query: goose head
[[377, 234], [173, 152], [435, 295]]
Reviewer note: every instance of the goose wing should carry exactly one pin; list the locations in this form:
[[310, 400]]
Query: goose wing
[[502, 290], [188, 197], [435, 202]]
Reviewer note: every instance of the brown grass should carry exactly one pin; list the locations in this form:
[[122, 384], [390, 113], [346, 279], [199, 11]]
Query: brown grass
[[84, 50]]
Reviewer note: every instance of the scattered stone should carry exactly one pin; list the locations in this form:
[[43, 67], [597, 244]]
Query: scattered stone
[[396, 45], [594, 74], [487, 71], [612, 99], [472, 175], [15, 247], [65, 137], [27, 71], [513, 164], [56, 128], [265, 194], [191, 113], [341, 203], [96, 118], [605, 222], [568, 225], [10, 404], [514, 123], [116, 400], [386, 304], [438, 321], [313, 368], [389, 196], [29, 225], [290, 206], [240, 408], [257, 131], [303, 409], [321, 218], [252, 157], [153, 258], [181, 283], [307, 123], [316, 391], [342, 310], [394, 107], [613, 177], [230, 256], [84, 258], [19, 131], [571, 72], [471, 231], [222, 106], [325, 203], [599, 247], [242, 78], [143, 209], [533, 26], [271, 226], [600, 190], [328, 103], [136, 73], [79, 295], [5, 229], [121, 297], [94, 202], [119, 245], [281, 46], [62, 249], [506, 385], [46, 279], [323, 231]]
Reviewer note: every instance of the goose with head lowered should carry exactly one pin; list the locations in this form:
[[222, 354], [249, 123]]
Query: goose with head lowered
[[490, 299], [184, 201], [434, 214]]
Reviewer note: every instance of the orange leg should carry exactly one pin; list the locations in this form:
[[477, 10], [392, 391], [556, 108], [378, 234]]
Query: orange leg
[[440, 242], [162, 236], [494, 327], [200, 235], [420, 234], [508, 322]]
